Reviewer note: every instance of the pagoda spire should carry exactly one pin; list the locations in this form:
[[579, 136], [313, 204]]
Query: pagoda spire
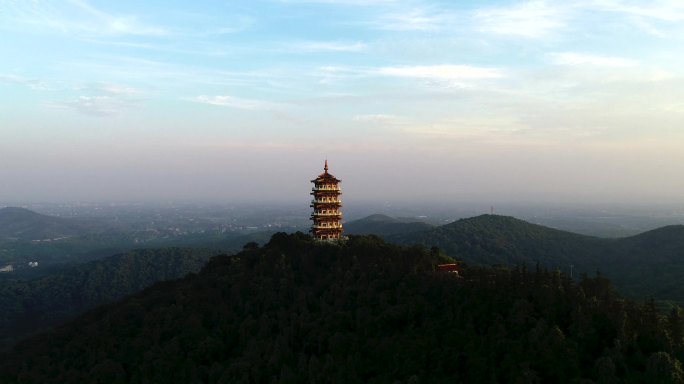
[[325, 168]]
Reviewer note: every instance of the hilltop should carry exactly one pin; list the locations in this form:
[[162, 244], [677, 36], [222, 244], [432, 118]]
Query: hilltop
[[650, 264], [20, 224], [493, 239], [364, 311]]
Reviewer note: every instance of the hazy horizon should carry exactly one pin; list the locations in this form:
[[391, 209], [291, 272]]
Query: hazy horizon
[[552, 102]]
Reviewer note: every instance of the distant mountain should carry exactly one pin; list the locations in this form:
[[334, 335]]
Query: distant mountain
[[300, 311], [650, 264], [493, 239], [383, 225], [669, 241], [595, 227], [19, 224], [28, 307]]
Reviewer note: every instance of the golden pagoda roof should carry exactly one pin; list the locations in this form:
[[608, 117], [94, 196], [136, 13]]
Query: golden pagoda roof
[[325, 176]]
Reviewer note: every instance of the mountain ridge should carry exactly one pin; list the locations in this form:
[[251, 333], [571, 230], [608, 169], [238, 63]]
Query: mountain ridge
[[21, 224], [494, 239], [643, 265], [298, 310]]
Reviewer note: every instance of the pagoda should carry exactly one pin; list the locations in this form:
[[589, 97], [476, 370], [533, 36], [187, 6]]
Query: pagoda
[[326, 205]]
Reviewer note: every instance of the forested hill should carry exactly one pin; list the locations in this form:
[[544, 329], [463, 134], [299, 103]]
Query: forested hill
[[668, 241], [647, 265], [27, 307], [25, 225], [383, 225], [297, 311], [493, 239]]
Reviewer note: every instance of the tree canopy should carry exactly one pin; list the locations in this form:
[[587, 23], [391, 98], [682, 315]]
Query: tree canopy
[[300, 311]]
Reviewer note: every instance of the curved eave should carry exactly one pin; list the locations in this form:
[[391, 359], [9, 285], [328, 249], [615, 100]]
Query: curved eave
[[326, 178]]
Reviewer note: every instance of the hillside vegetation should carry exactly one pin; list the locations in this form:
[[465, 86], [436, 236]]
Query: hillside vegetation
[[19, 224], [28, 307], [650, 264], [298, 311], [492, 239]]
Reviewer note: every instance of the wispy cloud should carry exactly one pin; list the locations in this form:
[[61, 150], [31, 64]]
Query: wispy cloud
[[144, 74], [34, 84], [101, 106], [415, 19], [341, 2], [649, 28], [442, 72], [329, 46], [117, 89], [656, 18], [504, 130], [100, 99], [531, 19], [225, 25], [102, 89], [74, 16], [235, 102], [118, 24], [332, 74], [376, 118], [336, 69], [583, 59], [204, 50], [664, 10]]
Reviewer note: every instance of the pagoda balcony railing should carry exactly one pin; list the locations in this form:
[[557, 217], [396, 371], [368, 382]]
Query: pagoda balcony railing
[[329, 201], [327, 214], [339, 226], [335, 189]]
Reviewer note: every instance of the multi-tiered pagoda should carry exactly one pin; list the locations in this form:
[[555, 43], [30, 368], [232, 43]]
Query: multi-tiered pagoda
[[326, 205]]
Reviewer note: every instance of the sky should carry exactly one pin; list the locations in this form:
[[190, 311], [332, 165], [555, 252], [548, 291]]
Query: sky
[[413, 100]]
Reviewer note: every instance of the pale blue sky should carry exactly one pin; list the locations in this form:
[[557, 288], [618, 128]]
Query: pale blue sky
[[228, 100]]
